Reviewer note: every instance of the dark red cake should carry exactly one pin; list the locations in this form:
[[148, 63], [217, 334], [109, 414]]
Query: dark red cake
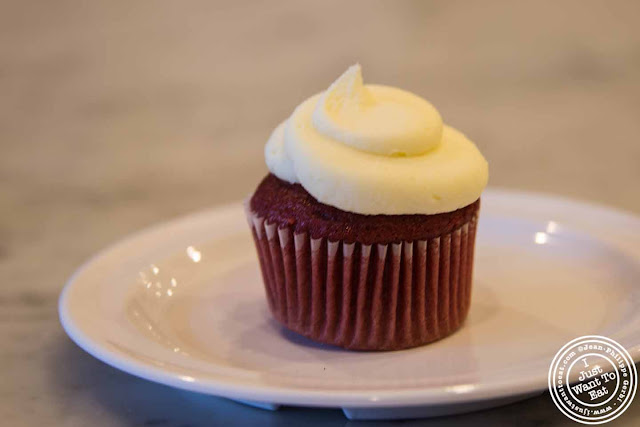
[[289, 205], [368, 282]]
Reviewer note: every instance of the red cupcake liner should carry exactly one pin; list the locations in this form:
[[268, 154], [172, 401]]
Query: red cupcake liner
[[366, 297]]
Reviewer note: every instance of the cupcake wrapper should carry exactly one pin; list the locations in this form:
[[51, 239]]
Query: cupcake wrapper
[[366, 297]]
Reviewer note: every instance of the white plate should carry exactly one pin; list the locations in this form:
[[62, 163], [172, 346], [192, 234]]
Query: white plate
[[182, 304]]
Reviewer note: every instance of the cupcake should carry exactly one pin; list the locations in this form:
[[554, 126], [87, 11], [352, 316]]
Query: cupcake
[[365, 225]]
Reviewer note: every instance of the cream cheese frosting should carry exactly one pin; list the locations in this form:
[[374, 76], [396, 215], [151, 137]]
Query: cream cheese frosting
[[373, 149]]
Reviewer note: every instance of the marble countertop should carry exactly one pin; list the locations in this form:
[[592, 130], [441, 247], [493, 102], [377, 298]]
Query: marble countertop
[[118, 115]]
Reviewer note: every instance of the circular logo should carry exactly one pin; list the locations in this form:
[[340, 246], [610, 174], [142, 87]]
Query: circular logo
[[592, 379]]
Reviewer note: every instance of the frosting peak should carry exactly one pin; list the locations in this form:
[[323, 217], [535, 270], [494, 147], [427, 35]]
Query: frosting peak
[[376, 119], [374, 149]]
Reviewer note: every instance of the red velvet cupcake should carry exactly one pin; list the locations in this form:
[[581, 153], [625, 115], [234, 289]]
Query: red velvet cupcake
[[365, 227]]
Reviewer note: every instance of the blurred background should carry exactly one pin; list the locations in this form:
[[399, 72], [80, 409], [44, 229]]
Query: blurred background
[[117, 115]]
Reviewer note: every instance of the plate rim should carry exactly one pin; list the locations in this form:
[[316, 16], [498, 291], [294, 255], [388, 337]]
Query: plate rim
[[296, 395]]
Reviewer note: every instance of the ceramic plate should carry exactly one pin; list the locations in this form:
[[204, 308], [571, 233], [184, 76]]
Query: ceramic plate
[[182, 304]]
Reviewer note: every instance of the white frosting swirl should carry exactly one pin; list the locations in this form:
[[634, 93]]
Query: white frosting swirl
[[374, 149]]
